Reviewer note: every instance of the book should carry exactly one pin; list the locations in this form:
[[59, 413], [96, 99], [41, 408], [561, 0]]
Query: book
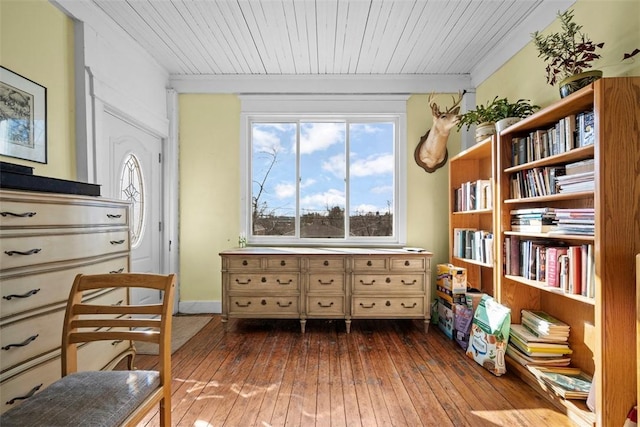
[[575, 270], [553, 265], [539, 349], [544, 321], [526, 335], [526, 360], [568, 383]]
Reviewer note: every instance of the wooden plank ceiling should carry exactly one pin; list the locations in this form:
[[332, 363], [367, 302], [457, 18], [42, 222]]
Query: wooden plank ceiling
[[318, 37]]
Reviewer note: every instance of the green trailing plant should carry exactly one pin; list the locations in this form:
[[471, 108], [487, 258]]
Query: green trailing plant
[[497, 109], [568, 52]]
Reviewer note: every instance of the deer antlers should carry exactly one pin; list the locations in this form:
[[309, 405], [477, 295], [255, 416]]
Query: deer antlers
[[435, 109]]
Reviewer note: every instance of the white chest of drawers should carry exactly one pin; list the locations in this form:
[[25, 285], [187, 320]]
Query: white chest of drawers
[[45, 240], [339, 283]]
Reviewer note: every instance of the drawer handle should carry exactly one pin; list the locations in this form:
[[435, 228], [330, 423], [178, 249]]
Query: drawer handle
[[369, 263], [116, 342], [22, 344], [114, 215], [27, 295], [26, 396], [283, 263], [325, 283], [29, 252], [367, 284], [243, 283], [117, 271], [413, 282], [284, 305], [118, 303], [388, 303], [325, 305], [326, 263], [117, 242], [407, 263], [368, 306], [407, 306], [244, 305], [19, 215], [387, 280], [283, 282], [263, 302], [244, 262]]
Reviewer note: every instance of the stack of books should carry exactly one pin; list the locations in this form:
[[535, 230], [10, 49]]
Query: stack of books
[[541, 340], [533, 220], [575, 221], [568, 383], [579, 176]]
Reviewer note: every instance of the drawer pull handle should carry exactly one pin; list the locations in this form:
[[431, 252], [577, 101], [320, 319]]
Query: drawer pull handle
[[388, 303], [27, 295], [244, 262], [19, 215], [283, 282], [407, 306], [22, 344], [116, 342], [117, 242], [326, 263], [368, 306], [247, 304], [387, 280], [117, 271], [26, 396], [285, 305], [29, 252], [367, 284], [369, 263], [243, 283], [325, 305], [413, 282], [325, 283], [114, 216], [407, 263], [283, 263], [117, 304]]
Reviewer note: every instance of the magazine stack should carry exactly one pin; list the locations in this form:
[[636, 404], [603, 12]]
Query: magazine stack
[[540, 340]]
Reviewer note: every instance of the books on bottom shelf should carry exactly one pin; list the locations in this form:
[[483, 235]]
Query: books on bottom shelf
[[530, 348], [544, 325], [567, 382]]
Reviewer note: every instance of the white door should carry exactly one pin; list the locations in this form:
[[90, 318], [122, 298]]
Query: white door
[[136, 176]]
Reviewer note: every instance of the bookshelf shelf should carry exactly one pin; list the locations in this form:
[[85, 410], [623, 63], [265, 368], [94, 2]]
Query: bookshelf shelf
[[599, 324], [477, 163]]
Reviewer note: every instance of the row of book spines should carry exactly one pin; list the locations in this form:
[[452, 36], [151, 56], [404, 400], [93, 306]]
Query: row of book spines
[[473, 195], [570, 269], [473, 244], [571, 132], [536, 182]]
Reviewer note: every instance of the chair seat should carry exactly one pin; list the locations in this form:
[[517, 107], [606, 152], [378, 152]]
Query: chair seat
[[101, 398]]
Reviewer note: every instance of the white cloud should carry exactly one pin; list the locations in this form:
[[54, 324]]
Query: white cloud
[[365, 128], [372, 165], [285, 190], [320, 136], [265, 141], [320, 201], [388, 189], [335, 165]]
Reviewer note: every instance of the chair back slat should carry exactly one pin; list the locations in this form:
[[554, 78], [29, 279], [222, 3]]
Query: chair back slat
[[115, 323], [114, 335], [151, 309]]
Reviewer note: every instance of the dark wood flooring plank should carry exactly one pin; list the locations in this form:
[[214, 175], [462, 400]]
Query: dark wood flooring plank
[[348, 382]]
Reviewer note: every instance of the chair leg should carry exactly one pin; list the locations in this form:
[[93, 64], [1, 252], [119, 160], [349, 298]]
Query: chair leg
[[165, 413]]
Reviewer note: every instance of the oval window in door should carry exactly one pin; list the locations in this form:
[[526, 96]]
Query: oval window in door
[[132, 190]]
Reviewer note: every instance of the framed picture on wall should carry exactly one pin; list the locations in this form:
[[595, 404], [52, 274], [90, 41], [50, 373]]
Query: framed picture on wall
[[23, 117]]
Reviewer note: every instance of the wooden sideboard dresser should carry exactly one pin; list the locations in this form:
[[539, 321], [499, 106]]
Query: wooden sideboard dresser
[[45, 240], [338, 283]]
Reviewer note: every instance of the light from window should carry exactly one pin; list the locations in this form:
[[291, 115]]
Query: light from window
[[306, 174]]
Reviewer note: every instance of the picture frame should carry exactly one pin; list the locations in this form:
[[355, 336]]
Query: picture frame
[[23, 117]]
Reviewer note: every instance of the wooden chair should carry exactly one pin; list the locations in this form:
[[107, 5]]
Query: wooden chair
[[106, 398]]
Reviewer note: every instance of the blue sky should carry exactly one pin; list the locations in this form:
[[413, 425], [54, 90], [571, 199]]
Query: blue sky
[[323, 166]]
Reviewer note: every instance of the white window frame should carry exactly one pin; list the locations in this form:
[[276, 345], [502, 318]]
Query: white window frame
[[325, 107]]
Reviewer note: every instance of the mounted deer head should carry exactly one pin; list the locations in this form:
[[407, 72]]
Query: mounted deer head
[[431, 152]]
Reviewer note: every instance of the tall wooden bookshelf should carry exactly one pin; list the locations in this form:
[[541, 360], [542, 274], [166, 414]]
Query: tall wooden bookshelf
[[603, 330], [471, 168]]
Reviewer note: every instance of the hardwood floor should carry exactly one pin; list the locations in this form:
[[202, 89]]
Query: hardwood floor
[[384, 373]]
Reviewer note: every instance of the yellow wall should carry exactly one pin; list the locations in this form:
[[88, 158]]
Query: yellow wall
[[209, 190], [36, 41], [616, 23]]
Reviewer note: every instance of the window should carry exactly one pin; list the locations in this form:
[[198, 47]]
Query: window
[[330, 179], [132, 190]]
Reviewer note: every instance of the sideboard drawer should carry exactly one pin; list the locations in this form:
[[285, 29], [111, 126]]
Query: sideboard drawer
[[369, 263], [33, 250], [27, 291], [242, 264], [264, 282], [329, 305], [388, 306], [388, 282], [327, 263], [275, 306], [28, 382], [326, 282], [283, 263], [409, 263]]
